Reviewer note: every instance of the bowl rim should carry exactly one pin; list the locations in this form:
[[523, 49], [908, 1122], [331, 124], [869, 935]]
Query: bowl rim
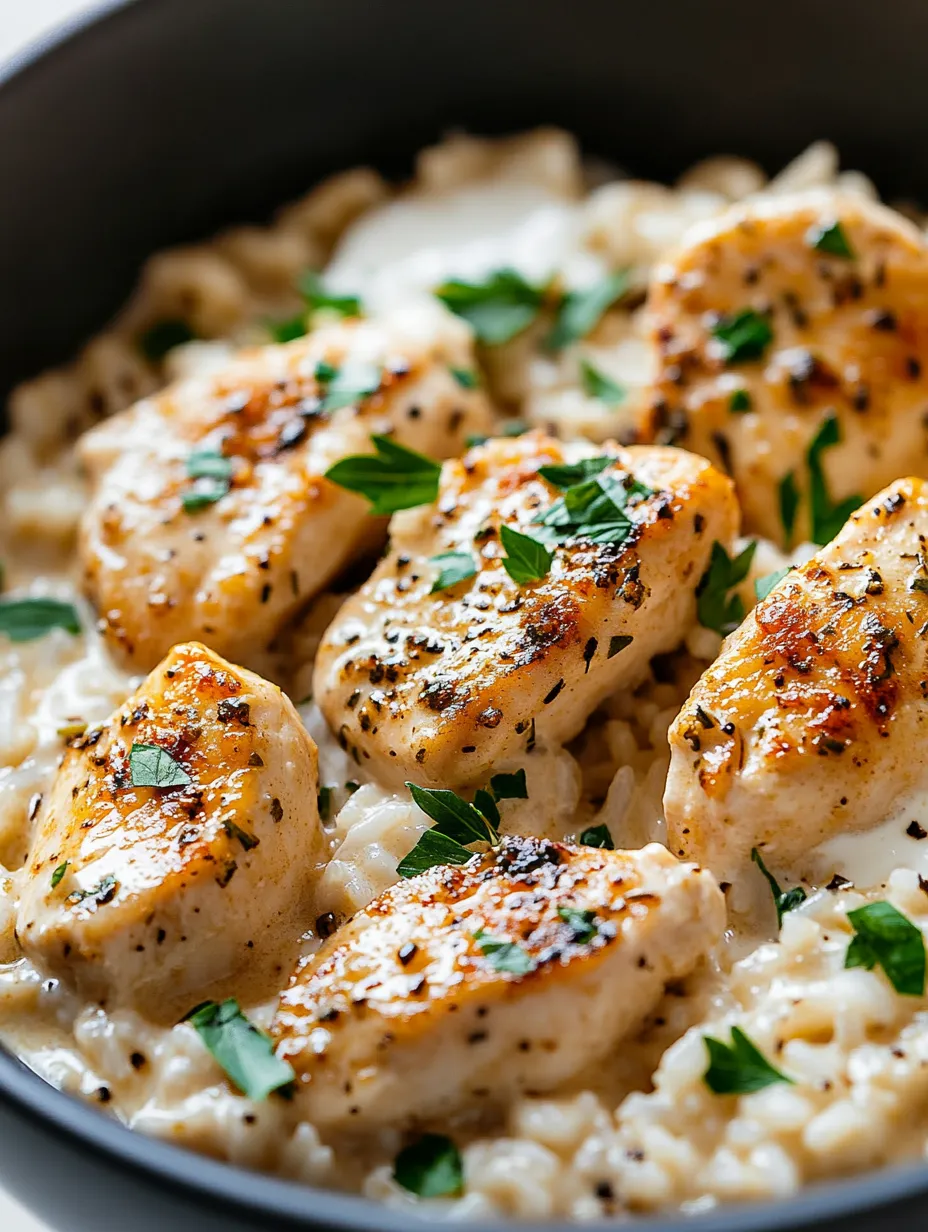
[[240, 1190]]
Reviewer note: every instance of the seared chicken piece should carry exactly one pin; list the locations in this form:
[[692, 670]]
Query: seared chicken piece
[[157, 896], [231, 571], [468, 986], [441, 687], [811, 721], [841, 285]]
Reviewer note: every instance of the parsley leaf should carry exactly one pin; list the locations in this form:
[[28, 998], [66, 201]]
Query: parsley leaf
[[509, 786], [831, 238], [288, 329], [739, 402], [454, 567], [827, 518], [744, 335], [245, 1053], [393, 478], [430, 1167], [526, 559], [59, 873], [318, 299], [617, 643], [738, 1068], [886, 937], [349, 385], [570, 474], [466, 377], [783, 900], [164, 336], [596, 384], [432, 849], [152, 766], [324, 802], [789, 505], [583, 923], [497, 309], [24, 620], [453, 816], [580, 311], [506, 956], [598, 836], [715, 609], [594, 509], [213, 474], [764, 585]]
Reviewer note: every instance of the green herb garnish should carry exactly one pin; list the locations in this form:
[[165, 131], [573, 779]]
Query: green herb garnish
[[497, 309], [570, 474], [24, 620], [526, 559], [245, 1053], [593, 509], [59, 873], [506, 956], [324, 803], [598, 836], [393, 478], [738, 1068], [430, 1168], [583, 923], [318, 299], [453, 567], [453, 816], [617, 643], [465, 377], [783, 900], [596, 384], [432, 849], [164, 336], [288, 329], [715, 608], [458, 823], [509, 786], [789, 505], [212, 473], [739, 402], [744, 335], [885, 937], [826, 518], [152, 766], [764, 585], [350, 385], [830, 238], [580, 311]]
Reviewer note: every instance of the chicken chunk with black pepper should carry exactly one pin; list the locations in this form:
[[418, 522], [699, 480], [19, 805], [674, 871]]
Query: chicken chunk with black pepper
[[440, 685], [810, 721], [158, 896], [210, 517], [778, 315], [469, 986]]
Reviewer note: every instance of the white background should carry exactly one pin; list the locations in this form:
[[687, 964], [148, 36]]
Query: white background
[[20, 22]]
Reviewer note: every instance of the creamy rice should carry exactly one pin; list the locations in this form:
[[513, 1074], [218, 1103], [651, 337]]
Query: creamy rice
[[643, 1132]]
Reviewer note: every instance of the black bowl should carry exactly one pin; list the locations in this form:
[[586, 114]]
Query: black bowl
[[164, 119]]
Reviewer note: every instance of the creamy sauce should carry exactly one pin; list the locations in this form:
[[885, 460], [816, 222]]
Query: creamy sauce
[[869, 857]]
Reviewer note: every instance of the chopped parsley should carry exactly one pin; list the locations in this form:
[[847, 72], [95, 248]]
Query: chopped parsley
[[831, 238], [152, 766], [318, 299], [432, 849], [453, 816], [738, 1068], [507, 956], [783, 900], [739, 402], [24, 620], [212, 473], [453, 567], [459, 823], [617, 643], [526, 559], [885, 937], [582, 923], [715, 608], [393, 478], [245, 1053], [347, 386], [288, 329], [744, 335], [596, 384], [324, 803], [497, 309], [164, 336], [764, 585], [103, 892], [59, 873], [789, 505], [569, 474], [594, 508], [826, 517], [467, 378], [431, 1167], [509, 786], [580, 311], [598, 836]]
